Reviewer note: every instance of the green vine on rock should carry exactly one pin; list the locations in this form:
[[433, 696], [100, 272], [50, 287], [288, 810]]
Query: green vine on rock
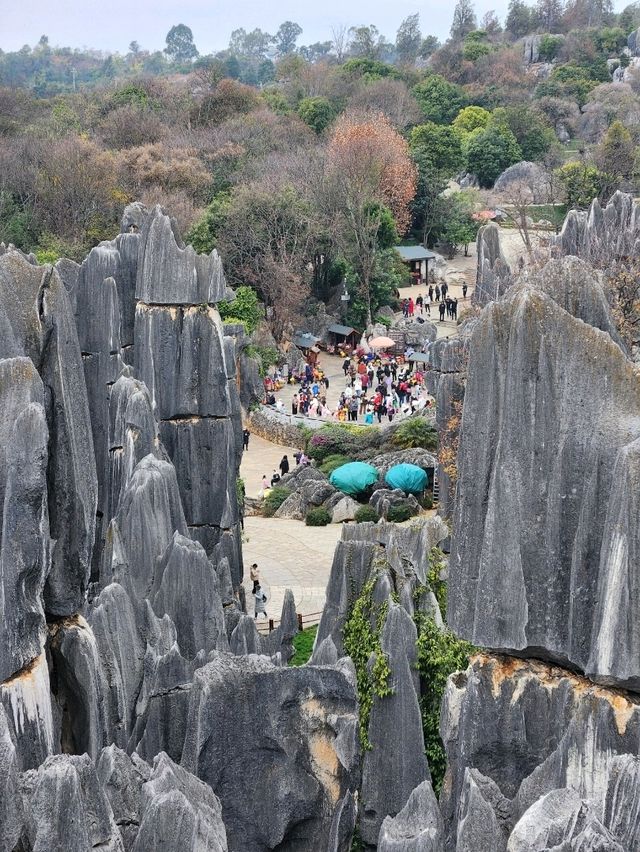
[[361, 636]]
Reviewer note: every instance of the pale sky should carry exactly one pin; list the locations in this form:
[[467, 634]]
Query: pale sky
[[112, 24]]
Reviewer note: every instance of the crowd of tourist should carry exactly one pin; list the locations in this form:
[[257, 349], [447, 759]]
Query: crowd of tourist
[[376, 388]]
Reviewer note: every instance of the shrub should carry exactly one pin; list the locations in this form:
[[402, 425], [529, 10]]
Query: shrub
[[274, 499], [244, 307], [415, 432], [366, 513], [333, 462], [317, 517], [382, 320], [303, 645], [426, 501], [400, 513], [439, 655], [361, 635]]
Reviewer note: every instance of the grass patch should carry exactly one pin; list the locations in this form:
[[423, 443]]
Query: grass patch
[[303, 645]]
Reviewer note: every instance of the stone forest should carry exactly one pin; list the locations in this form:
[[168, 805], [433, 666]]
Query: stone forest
[[140, 707], [320, 430]]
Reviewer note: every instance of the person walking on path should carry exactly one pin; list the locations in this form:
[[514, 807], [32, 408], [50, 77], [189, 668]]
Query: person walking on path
[[444, 289], [284, 465], [294, 404], [443, 307], [454, 309], [437, 293], [245, 439], [260, 601], [254, 574], [410, 307], [430, 292], [464, 290]]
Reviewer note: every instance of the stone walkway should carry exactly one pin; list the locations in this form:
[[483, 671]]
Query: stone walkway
[[261, 459], [292, 556]]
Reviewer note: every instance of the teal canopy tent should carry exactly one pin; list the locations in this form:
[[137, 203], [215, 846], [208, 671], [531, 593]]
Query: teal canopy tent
[[353, 478], [408, 477]]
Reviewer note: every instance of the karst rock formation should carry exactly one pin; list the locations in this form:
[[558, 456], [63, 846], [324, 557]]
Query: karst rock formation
[[139, 707]]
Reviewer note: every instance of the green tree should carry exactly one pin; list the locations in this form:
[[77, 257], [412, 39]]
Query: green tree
[[490, 152], [317, 112], [409, 40], [615, 157], [429, 46], [439, 99], [439, 147], [245, 307], [180, 46], [530, 127], [464, 19], [549, 14], [476, 45], [366, 42], [582, 183], [549, 47], [286, 37], [203, 235], [460, 228], [629, 18], [471, 118], [519, 19]]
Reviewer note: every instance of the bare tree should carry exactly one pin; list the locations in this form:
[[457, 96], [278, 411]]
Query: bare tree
[[340, 40]]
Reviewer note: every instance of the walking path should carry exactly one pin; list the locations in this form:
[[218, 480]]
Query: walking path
[[292, 556]]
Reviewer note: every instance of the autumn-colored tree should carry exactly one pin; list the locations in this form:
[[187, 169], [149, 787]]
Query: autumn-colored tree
[[369, 170]]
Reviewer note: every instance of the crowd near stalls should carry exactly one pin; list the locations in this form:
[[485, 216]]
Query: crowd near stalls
[[378, 386]]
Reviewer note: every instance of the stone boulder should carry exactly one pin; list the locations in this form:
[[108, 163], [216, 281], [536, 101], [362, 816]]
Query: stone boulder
[[278, 746], [294, 507], [344, 510], [524, 177], [384, 499]]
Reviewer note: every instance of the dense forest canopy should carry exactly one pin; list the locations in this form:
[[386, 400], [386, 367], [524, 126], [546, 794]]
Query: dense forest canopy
[[254, 149]]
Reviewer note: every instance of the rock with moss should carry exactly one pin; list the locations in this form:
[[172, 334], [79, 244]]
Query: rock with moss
[[396, 762]]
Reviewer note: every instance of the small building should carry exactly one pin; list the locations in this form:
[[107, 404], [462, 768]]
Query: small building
[[342, 335], [417, 258], [308, 344]]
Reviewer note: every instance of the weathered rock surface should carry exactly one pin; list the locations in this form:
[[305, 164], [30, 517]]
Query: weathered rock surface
[[493, 274], [524, 180], [517, 730], [542, 455], [395, 731], [178, 812], [418, 826], [171, 275], [24, 535], [601, 235], [281, 776]]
